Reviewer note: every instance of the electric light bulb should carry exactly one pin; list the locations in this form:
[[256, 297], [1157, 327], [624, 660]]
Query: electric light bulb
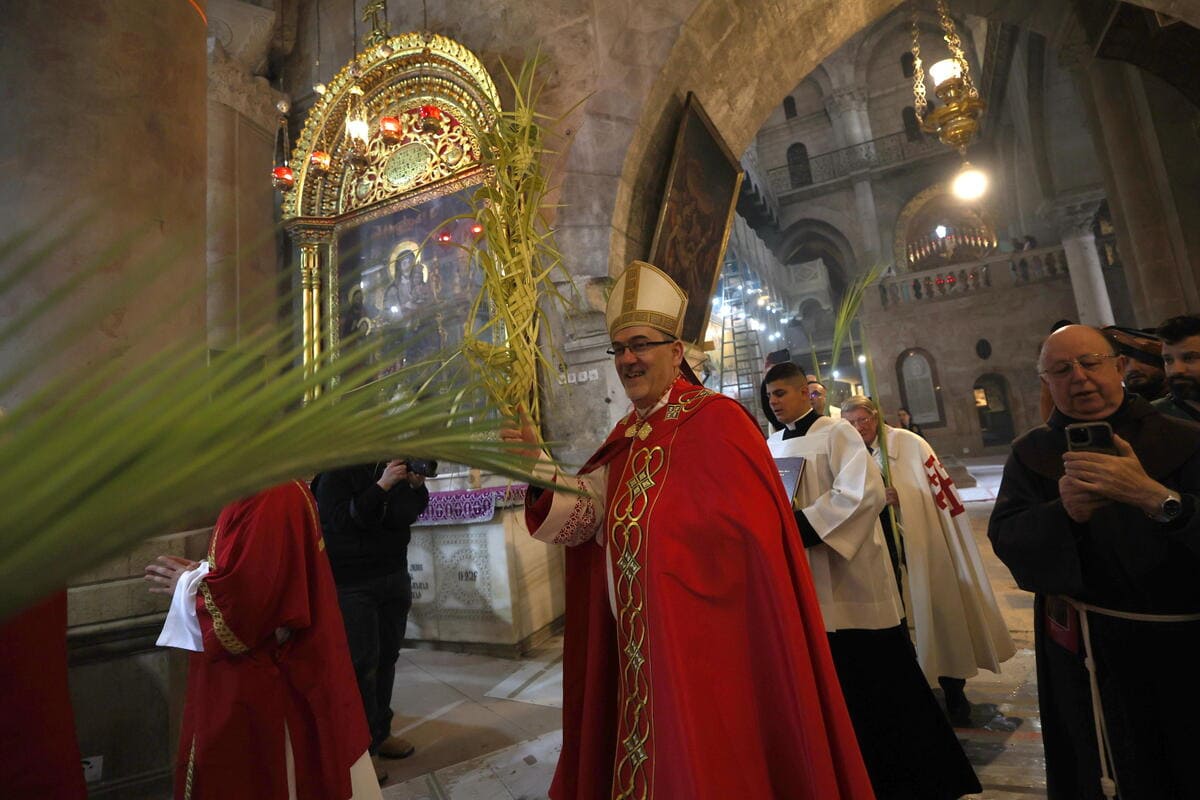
[[969, 184]]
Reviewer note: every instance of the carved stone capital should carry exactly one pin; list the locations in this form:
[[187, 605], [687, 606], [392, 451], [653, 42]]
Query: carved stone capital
[[1076, 219], [249, 95], [239, 40], [844, 101], [245, 32]]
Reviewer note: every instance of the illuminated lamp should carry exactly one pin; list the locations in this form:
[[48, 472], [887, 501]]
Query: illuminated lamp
[[283, 178], [390, 130]]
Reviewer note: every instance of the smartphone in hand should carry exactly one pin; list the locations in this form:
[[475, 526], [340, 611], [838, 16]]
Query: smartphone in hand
[[1091, 437]]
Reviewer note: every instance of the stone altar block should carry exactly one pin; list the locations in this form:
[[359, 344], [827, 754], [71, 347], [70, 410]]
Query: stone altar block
[[479, 578]]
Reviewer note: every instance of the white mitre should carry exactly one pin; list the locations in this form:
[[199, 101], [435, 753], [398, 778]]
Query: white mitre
[[645, 295]]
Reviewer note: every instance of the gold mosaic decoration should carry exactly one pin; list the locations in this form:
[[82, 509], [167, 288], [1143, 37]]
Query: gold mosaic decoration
[[418, 159], [397, 76]]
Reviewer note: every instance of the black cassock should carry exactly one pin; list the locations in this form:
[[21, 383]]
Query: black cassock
[[1149, 672]]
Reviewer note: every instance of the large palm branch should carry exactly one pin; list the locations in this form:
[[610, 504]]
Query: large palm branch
[[97, 458]]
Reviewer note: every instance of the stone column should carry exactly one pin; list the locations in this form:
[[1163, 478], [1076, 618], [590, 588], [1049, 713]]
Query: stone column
[[242, 122], [1153, 271], [104, 118], [848, 111], [103, 113], [1083, 261]]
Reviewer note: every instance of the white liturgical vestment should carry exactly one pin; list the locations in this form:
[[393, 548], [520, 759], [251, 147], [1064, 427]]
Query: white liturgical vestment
[[841, 494]]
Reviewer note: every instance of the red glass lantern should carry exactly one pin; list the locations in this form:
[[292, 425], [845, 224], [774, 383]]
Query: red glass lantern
[[431, 119], [476, 229], [319, 160], [390, 130], [445, 237], [283, 178]]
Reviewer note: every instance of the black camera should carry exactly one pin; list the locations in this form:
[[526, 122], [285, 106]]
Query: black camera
[[422, 466]]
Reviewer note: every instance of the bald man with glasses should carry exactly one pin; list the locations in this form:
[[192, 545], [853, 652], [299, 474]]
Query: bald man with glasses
[[1109, 543]]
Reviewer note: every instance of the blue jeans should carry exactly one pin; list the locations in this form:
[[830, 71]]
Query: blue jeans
[[375, 612]]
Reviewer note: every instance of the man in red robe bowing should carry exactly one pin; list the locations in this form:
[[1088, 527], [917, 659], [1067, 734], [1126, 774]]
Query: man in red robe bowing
[[272, 706], [695, 663]]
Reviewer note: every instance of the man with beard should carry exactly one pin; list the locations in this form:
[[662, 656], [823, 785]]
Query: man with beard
[[1181, 357], [1144, 373], [1109, 542]]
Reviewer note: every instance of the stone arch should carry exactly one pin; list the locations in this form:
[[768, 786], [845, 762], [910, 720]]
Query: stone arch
[[809, 239], [612, 188]]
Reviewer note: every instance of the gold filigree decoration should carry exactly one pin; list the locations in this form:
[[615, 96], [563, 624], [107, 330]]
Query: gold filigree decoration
[[419, 158], [191, 771], [225, 635], [632, 777], [399, 74]]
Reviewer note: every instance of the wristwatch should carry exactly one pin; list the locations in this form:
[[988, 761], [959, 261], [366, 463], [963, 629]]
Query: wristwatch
[[1170, 509]]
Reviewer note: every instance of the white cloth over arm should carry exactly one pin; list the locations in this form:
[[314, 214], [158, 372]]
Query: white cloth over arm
[[181, 628], [841, 494]]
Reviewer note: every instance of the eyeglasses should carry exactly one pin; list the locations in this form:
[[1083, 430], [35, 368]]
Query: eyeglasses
[[637, 348], [1089, 363]]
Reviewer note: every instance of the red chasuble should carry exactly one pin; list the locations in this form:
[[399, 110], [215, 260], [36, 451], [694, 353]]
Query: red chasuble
[[714, 679], [39, 757], [268, 570]]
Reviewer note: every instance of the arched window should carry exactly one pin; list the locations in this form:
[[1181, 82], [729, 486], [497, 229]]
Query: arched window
[[907, 64], [912, 126], [798, 168], [920, 391], [789, 107]]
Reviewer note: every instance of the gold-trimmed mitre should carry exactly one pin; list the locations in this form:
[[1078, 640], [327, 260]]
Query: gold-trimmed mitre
[[645, 295]]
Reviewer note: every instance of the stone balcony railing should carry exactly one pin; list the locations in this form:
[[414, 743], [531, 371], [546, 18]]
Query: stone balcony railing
[[1000, 271], [886, 151]]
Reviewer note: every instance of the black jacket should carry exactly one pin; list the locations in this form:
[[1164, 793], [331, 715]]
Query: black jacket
[[366, 529]]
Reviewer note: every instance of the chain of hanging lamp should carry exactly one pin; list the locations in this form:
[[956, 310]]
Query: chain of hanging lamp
[[921, 102], [955, 45]]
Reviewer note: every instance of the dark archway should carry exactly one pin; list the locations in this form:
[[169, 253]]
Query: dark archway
[[993, 404]]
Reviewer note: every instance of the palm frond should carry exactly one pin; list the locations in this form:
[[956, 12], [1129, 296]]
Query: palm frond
[[101, 456], [516, 254], [849, 308]]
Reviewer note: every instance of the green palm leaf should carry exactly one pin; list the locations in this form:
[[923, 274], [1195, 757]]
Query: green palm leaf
[[99, 458]]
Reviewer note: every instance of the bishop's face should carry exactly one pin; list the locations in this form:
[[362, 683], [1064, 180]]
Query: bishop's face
[[647, 375]]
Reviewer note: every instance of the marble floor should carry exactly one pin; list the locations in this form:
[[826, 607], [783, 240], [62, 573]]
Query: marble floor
[[489, 728]]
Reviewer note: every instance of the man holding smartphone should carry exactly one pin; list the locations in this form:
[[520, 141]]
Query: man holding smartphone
[[1109, 542]]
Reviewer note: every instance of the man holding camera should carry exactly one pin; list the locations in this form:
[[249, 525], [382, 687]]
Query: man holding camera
[[1097, 514], [366, 513]]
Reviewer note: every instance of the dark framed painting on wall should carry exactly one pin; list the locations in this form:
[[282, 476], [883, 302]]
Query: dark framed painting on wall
[[696, 214]]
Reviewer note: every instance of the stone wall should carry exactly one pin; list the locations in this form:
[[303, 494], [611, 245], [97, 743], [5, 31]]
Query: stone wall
[[948, 329]]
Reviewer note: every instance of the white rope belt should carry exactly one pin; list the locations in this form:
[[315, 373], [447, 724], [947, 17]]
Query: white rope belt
[[1108, 776]]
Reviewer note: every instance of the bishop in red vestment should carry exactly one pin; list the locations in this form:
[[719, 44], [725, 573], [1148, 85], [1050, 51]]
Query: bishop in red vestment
[[274, 666], [695, 663]]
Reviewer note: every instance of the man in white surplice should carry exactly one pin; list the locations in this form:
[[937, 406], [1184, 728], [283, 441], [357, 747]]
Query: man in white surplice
[[837, 505]]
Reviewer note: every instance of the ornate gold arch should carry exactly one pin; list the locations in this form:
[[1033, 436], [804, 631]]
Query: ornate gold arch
[[397, 76], [394, 76]]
